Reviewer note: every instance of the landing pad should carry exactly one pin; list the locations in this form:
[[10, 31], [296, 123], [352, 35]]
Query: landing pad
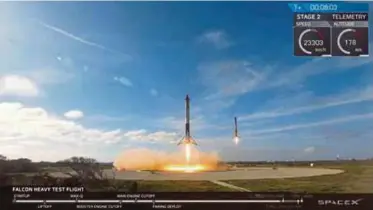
[[236, 174]]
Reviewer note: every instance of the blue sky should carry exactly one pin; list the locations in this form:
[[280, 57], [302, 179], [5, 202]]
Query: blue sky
[[97, 78]]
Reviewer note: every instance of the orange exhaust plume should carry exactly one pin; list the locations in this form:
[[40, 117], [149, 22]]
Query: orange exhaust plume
[[147, 159]]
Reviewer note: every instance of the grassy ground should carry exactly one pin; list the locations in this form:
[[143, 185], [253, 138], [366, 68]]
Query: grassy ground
[[180, 186], [171, 186], [357, 178]]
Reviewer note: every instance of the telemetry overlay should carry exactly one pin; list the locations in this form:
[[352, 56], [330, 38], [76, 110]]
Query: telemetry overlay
[[330, 29]]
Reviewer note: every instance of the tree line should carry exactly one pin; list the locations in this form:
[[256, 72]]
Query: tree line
[[79, 171]]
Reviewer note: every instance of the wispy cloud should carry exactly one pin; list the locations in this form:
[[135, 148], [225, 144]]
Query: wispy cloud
[[59, 138], [317, 66], [153, 92], [227, 79], [310, 149], [106, 118], [85, 68], [32, 82], [144, 135], [74, 115], [218, 38], [314, 124], [49, 76], [337, 100], [15, 85], [82, 40], [124, 81], [66, 61], [231, 77]]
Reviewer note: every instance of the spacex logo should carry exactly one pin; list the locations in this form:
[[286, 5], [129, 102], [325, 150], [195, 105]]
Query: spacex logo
[[339, 202]]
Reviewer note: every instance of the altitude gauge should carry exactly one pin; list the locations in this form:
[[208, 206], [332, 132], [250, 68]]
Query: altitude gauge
[[312, 41], [350, 41]]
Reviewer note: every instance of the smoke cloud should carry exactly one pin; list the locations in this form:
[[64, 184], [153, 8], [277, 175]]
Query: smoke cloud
[[147, 159]]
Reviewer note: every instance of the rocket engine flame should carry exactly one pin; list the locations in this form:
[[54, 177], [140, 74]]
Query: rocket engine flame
[[187, 153], [236, 140], [147, 159], [189, 169]]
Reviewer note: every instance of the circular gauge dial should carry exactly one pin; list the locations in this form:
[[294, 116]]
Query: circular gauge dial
[[307, 44], [312, 41], [351, 41]]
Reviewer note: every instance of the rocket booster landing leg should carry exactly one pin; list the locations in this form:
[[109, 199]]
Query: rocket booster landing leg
[[187, 139]]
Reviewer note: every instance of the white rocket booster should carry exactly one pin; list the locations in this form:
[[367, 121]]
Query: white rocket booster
[[187, 139]]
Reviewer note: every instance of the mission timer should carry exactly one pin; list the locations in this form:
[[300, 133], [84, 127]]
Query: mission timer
[[314, 41]]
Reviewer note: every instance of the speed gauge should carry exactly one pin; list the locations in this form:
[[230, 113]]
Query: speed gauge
[[350, 41], [312, 41]]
